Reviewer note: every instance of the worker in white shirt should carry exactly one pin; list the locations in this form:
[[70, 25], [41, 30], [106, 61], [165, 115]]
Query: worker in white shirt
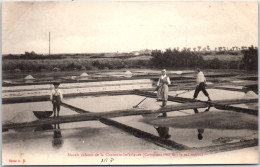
[[56, 98], [162, 88], [201, 84]]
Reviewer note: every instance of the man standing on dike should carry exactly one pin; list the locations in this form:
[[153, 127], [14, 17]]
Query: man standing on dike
[[201, 85], [162, 88], [56, 98]]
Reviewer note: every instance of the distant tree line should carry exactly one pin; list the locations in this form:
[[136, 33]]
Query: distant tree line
[[250, 58], [31, 55], [219, 53], [171, 58], [174, 58]]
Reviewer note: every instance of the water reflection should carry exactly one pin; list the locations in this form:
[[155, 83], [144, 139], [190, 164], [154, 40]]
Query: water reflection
[[200, 131], [57, 140], [44, 127], [163, 131]]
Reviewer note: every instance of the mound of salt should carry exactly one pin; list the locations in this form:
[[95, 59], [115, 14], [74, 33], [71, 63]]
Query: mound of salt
[[7, 82], [250, 95], [29, 77], [73, 77], [23, 117], [128, 73], [17, 70], [178, 72], [56, 69], [84, 74]]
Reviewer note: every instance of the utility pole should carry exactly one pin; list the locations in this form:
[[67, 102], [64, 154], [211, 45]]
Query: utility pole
[[49, 43]]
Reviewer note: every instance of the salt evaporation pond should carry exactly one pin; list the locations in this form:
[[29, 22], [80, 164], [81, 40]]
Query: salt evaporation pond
[[93, 136], [68, 88]]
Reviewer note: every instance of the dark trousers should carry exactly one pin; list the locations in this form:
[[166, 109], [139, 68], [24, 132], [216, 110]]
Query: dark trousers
[[56, 103], [200, 87]]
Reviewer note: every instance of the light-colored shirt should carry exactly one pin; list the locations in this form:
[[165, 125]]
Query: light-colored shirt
[[200, 78], [162, 77], [56, 92]]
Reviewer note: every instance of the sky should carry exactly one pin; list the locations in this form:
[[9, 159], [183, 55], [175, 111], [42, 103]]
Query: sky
[[111, 26]]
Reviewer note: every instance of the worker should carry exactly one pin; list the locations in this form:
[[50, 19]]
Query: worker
[[162, 88], [56, 98], [201, 84]]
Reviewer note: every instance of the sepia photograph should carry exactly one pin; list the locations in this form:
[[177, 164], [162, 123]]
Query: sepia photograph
[[129, 82]]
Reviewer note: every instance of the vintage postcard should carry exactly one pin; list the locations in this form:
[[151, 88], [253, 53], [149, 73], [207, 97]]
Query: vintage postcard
[[129, 83]]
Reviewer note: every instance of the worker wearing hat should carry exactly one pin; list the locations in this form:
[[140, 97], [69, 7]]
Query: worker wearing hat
[[201, 85], [56, 98], [162, 88]]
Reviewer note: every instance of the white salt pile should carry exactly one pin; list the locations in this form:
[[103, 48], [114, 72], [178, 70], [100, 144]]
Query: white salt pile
[[128, 73], [17, 70], [250, 95], [23, 117], [84, 74], [29, 77], [8, 82], [73, 77], [178, 72]]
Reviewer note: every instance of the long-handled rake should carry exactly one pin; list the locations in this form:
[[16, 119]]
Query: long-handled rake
[[144, 99], [183, 92]]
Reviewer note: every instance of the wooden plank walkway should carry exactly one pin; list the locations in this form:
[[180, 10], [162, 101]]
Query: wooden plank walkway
[[170, 98], [119, 113], [78, 110], [185, 100], [192, 86], [47, 98], [219, 104]]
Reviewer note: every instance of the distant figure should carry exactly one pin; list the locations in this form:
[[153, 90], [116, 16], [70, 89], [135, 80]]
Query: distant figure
[[57, 140], [162, 88], [56, 98], [163, 131], [201, 84]]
